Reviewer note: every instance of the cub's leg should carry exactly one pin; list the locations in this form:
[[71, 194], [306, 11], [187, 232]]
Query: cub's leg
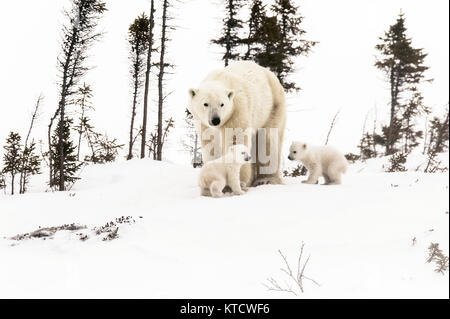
[[314, 173], [235, 183], [334, 173], [216, 188]]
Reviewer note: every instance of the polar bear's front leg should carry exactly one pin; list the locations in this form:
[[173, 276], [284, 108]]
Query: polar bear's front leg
[[235, 183], [314, 173]]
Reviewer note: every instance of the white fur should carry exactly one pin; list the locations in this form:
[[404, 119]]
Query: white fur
[[224, 171], [243, 95], [323, 161]]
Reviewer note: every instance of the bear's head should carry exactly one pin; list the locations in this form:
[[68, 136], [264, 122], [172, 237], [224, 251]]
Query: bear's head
[[239, 153], [212, 104], [297, 151]]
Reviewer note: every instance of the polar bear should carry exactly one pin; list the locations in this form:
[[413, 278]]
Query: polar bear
[[323, 161], [248, 101], [224, 171]]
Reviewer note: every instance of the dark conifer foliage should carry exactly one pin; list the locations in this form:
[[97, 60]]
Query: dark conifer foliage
[[258, 15], [292, 43], [230, 38], [70, 166], [138, 34], [103, 149], [79, 33], [404, 68], [2, 181], [410, 111], [272, 40], [12, 157], [83, 101], [30, 165], [30, 161], [439, 134]]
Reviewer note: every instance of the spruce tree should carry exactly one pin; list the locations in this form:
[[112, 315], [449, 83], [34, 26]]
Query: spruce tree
[[410, 111], [138, 34], [269, 35], [71, 165], [78, 35], [404, 68], [257, 17], [292, 43], [12, 157], [2, 181], [150, 50], [83, 101], [230, 38], [30, 165], [439, 134]]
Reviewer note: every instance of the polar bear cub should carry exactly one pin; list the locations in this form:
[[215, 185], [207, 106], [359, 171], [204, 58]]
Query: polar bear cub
[[323, 161], [224, 171]]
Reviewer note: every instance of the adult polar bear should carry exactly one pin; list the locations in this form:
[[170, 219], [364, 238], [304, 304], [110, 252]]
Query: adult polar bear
[[243, 96]]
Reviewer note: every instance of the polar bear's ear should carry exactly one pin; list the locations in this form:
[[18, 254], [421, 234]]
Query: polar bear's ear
[[192, 92], [230, 94]]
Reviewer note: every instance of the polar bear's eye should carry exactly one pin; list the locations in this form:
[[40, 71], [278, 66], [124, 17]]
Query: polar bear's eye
[[206, 104], [295, 152], [221, 105]]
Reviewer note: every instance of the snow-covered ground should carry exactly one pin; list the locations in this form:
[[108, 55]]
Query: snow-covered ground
[[359, 236]]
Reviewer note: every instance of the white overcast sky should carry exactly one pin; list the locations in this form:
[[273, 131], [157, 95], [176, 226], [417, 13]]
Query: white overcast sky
[[339, 74]]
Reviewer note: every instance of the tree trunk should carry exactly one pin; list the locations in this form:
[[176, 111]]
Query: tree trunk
[[160, 81], [12, 182], [228, 32], [133, 110], [81, 128], [147, 78]]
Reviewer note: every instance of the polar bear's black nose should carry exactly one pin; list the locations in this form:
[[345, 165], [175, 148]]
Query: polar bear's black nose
[[290, 158], [215, 121]]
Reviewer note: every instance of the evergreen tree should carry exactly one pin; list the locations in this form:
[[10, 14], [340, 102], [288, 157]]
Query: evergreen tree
[[230, 38], [2, 181], [104, 150], [161, 132], [257, 17], [12, 157], [78, 35], [404, 68], [268, 53], [438, 143], [439, 134], [414, 107], [150, 50], [367, 146], [138, 34], [30, 165], [70, 165], [83, 100], [30, 161], [292, 43]]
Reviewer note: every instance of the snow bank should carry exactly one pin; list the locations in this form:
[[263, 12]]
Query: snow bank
[[359, 236]]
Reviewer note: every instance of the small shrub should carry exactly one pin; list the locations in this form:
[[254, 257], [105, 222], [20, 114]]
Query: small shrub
[[297, 171], [352, 157], [397, 162]]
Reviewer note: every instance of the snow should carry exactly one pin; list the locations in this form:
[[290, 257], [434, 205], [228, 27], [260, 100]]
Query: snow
[[359, 236]]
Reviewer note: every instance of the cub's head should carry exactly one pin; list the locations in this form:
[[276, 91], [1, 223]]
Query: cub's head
[[240, 153], [297, 151], [212, 104]]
